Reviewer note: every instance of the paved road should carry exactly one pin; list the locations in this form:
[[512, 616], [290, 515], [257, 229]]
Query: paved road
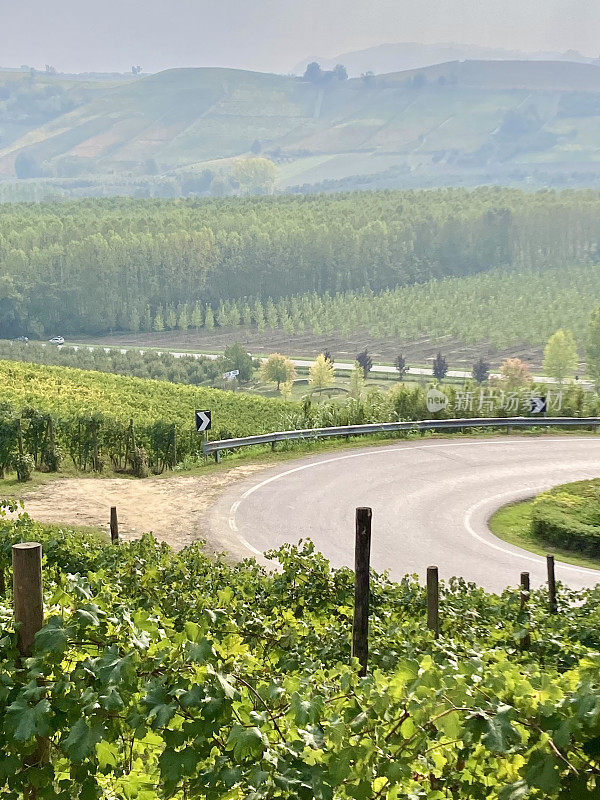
[[431, 501]]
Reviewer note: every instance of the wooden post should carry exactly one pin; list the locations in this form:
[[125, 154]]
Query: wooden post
[[362, 556], [174, 447], [114, 525], [526, 640], [28, 603], [27, 593], [551, 585], [20, 437], [433, 601], [95, 428]]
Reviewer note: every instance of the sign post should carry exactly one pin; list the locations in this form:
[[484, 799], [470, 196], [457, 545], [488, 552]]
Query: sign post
[[204, 424], [538, 405]]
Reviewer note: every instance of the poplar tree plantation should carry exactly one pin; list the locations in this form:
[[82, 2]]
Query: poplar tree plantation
[[98, 265]]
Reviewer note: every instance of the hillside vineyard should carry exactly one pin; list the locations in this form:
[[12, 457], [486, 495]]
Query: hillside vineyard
[[99, 265]]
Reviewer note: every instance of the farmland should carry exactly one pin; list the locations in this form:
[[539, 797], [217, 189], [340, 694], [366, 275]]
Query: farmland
[[175, 132], [497, 313], [71, 392], [100, 266], [164, 674]]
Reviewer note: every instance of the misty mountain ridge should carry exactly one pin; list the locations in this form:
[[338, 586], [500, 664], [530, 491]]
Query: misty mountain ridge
[[400, 56]]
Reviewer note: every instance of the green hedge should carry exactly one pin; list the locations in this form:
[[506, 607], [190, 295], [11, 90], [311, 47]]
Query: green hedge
[[569, 516]]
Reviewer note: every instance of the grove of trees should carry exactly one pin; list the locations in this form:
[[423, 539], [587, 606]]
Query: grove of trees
[[117, 264]]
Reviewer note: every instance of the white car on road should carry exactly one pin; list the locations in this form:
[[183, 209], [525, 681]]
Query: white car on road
[[57, 340]]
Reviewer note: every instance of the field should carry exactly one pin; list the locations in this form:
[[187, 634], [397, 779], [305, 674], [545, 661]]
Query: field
[[495, 314], [418, 351], [76, 392], [469, 121]]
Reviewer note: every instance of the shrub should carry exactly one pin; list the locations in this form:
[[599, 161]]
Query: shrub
[[569, 516], [24, 466]]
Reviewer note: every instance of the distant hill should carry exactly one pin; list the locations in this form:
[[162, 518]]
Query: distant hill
[[400, 56], [462, 122]]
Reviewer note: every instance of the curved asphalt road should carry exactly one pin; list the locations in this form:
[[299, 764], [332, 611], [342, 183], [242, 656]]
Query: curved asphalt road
[[431, 501]]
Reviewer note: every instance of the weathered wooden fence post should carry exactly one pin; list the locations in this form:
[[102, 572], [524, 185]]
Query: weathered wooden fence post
[[114, 525], [551, 585], [433, 601], [362, 556], [28, 604], [526, 640], [27, 593]]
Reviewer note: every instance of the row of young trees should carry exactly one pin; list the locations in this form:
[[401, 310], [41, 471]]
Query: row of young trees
[[97, 265], [185, 369], [498, 306]]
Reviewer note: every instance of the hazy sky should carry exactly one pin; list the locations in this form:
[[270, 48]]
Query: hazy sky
[[273, 35]]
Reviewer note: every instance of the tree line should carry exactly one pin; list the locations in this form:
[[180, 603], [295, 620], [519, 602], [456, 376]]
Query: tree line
[[186, 369], [501, 306], [98, 265]]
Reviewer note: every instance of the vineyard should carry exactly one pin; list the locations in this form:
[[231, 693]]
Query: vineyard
[[162, 675], [50, 414], [102, 265], [193, 370], [88, 414]]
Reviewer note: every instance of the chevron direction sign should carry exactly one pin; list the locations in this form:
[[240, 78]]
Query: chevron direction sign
[[203, 421], [539, 405]]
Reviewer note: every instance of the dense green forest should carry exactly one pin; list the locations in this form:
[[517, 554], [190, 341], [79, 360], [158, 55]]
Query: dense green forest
[[94, 266]]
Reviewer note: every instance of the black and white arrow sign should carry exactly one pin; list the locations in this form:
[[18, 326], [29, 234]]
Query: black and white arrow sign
[[538, 405], [203, 421]]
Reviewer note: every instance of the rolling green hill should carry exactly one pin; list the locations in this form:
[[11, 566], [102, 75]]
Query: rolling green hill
[[472, 121]]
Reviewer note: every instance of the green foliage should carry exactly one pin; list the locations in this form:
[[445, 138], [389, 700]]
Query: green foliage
[[87, 413], [24, 465], [89, 264], [499, 307], [560, 355], [593, 347], [481, 370], [440, 367], [278, 369], [321, 373], [365, 361], [569, 516], [149, 364], [235, 357], [255, 175], [174, 675]]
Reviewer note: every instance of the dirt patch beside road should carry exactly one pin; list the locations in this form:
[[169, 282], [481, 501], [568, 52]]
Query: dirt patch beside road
[[172, 508]]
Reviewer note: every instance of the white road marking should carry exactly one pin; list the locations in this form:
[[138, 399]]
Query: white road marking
[[406, 448], [524, 554]]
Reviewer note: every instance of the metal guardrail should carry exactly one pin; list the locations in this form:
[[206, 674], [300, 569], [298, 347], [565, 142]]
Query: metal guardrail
[[215, 447]]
